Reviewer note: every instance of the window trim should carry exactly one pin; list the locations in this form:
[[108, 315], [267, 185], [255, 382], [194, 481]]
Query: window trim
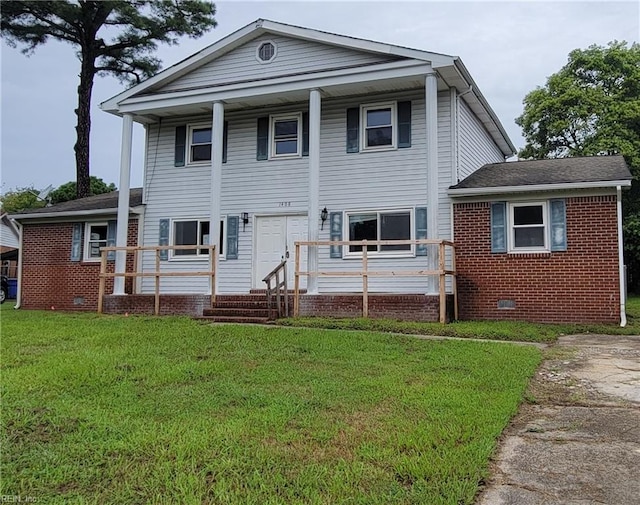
[[87, 234], [273, 119], [364, 108], [190, 128], [259, 46], [198, 256], [511, 227], [410, 253]]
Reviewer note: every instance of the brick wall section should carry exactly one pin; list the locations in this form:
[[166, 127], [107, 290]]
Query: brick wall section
[[182, 305], [51, 279], [402, 307], [577, 285]]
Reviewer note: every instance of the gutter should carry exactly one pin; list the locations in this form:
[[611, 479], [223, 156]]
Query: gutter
[[74, 213], [498, 190], [623, 293], [20, 249]]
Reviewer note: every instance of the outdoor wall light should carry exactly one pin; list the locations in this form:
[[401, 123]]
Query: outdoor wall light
[[245, 220], [323, 217]]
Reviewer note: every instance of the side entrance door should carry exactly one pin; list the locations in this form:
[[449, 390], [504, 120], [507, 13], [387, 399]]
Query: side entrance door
[[274, 235]]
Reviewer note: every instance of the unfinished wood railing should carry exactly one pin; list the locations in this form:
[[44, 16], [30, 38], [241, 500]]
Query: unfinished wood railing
[[280, 288], [441, 272], [157, 273]]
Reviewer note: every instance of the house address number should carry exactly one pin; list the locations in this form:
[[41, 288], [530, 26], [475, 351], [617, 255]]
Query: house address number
[[284, 204]]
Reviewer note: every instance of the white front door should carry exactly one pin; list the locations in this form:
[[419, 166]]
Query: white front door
[[275, 235]]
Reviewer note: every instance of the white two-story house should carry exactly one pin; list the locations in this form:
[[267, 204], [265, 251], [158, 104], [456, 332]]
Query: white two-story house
[[278, 133]]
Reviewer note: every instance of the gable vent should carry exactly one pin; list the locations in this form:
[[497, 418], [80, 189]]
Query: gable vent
[[266, 52]]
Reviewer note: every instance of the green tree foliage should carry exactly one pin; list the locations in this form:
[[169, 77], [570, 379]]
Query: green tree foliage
[[110, 37], [68, 191], [592, 107], [20, 199]]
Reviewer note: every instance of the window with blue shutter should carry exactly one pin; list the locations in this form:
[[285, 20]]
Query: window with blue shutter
[[305, 134], [421, 230], [111, 239], [262, 143], [498, 227], [180, 146], [232, 237], [335, 220], [163, 238], [404, 124], [558, 225], [76, 242], [225, 133], [353, 130]]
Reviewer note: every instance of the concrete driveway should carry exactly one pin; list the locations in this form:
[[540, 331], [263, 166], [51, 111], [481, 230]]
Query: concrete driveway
[[577, 441]]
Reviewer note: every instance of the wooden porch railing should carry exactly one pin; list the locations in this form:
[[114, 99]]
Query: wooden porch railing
[[157, 273], [280, 289], [441, 272]]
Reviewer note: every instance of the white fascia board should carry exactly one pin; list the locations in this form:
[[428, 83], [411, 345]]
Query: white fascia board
[[74, 213], [491, 122], [183, 67], [276, 86], [257, 28], [567, 186], [355, 43]]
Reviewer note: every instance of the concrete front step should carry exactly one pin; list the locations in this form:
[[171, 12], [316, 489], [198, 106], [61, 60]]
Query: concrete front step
[[235, 319], [236, 311]]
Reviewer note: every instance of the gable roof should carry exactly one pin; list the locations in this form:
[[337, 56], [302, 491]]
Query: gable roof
[[450, 69], [538, 175], [106, 203]]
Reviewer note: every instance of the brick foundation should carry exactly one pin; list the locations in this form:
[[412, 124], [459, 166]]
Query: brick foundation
[[51, 279], [577, 285], [391, 306], [182, 305]]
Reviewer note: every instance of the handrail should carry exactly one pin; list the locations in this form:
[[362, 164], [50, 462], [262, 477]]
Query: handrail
[[157, 273], [282, 267], [440, 270]]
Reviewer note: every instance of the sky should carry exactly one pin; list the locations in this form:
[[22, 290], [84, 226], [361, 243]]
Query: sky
[[509, 47]]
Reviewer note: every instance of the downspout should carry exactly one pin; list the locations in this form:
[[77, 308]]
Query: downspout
[[623, 293], [19, 291]]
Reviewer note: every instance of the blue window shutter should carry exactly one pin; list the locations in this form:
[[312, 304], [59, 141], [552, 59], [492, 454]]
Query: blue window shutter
[[305, 134], [421, 230], [353, 130], [225, 133], [335, 220], [404, 124], [181, 146], [498, 227], [163, 238], [262, 145], [111, 239], [232, 237], [76, 242], [558, 225]]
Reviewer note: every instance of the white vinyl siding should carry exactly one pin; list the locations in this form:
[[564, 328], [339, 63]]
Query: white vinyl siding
[[294, 56], [476, 147]]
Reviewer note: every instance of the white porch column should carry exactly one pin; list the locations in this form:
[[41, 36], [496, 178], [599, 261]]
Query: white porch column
[[217, 132], [123, 201], [431, 106], [314, 185]]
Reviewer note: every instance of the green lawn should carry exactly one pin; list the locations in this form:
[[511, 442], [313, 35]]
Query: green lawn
[[166, 410]]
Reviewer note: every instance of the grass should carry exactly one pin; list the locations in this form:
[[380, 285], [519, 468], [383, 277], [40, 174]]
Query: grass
[[109, 409], [494, 330]]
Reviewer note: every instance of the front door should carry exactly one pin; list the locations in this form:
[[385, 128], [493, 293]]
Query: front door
[[274, 236]]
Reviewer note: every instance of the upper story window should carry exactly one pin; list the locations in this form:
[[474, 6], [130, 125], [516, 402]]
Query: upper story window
[[378, 126], [529, 226], [266, 52], [286, 134], [199, 140], [380, 225], [195, 232], [95, 238]]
